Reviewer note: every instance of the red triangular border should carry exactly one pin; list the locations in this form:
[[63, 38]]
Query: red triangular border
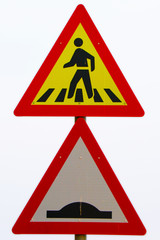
[[133, 108], [134, 225]]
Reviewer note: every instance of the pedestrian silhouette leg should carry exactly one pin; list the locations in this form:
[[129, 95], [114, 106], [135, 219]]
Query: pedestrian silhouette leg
[[87, 83], [73, 83], [84, 74]]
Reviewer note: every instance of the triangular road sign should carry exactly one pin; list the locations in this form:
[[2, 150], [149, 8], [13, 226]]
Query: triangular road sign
[[79, 194], [79, 77]]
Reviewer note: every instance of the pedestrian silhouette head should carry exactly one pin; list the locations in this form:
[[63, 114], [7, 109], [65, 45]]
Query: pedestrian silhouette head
[[78, 42]]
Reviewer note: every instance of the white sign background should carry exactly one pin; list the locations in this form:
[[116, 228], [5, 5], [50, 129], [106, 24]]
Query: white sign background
[[28, 30]]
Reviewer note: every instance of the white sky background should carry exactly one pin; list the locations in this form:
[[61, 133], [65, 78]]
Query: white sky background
[[28, 30]]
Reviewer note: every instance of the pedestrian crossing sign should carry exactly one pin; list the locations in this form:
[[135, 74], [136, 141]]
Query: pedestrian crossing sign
[[79, 77], [79, 194]]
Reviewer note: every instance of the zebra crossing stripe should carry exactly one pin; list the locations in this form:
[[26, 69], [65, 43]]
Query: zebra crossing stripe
[[78, 96], [61, 96], [46, 95], [97, 97], [111, 95]]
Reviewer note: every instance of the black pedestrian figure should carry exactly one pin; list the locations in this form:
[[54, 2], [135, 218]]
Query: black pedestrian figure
[[80, 59]]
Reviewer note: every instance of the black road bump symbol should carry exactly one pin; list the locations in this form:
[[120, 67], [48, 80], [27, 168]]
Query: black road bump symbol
[[79, 210], [46, 95], [111, 95]]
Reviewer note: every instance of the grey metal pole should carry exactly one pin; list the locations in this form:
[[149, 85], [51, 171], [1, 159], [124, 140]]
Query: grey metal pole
[[80, 117], [80, 236]]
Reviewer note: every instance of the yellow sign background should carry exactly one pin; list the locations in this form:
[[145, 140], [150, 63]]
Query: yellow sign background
[[60, 78]]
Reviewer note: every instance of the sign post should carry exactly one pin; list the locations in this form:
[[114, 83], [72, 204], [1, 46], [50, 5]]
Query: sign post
[[80, 237]]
